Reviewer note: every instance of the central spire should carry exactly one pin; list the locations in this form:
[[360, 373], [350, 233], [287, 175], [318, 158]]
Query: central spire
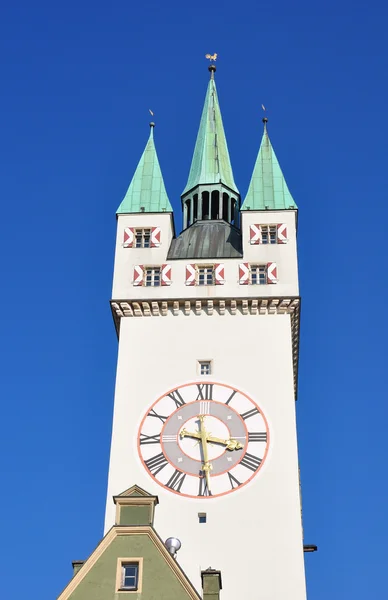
[[210, 192], [211, 162]]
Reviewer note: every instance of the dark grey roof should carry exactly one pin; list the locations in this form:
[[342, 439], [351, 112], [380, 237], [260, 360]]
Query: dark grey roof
[[207, 239]]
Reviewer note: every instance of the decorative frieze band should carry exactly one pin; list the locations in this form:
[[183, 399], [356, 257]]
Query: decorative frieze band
[[246, 306]]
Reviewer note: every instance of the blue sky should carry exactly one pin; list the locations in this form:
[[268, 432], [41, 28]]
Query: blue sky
[[77, 81]]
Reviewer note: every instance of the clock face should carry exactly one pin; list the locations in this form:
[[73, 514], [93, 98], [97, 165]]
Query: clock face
[[203, 440]]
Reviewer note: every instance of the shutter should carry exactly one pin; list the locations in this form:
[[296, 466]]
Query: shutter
[[219, 274], [190, 274], [128, 237], [243, 273], [282, 233], [138, 275], [155, 237], [272, 273], [255, 234], [166, 275]]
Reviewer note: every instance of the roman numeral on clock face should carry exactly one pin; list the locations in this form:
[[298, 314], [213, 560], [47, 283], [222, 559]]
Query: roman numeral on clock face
[[250, 413], [233, 481], [231, 397], [251, 462], [156, 463], [153, 413], [205, 391], [204, 407], [149, 439], [257, 436], [203, 489], [177, 397], [176, 480]]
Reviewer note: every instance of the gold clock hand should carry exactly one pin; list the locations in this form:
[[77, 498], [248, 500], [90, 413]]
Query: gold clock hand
[[207, 466], [231, 443], [193, 434]]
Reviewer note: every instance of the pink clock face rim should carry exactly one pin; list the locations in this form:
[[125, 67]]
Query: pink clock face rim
[[247, 456]]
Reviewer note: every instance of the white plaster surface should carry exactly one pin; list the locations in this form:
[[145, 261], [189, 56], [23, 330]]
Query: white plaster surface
[[253, 535]]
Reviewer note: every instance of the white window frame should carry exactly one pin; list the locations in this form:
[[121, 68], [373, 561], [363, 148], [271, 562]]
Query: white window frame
[[154, 269], [251, 272], [122, 562], [205, 267], [267, 231], [144, 234]]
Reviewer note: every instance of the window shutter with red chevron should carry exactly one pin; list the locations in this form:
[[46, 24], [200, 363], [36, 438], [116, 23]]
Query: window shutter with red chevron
[[166, 275], [190, 274], [282, 233], [138, 275], [155, 237], [255, 234], [243, 273], [272, 273], [128, 237], [219, 274]]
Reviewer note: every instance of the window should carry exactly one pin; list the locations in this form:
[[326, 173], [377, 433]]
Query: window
[[142, 238], [129, 576], [268, 234], [205, 275], [202, 517], [152, 276], [258, 274], [205, 367]]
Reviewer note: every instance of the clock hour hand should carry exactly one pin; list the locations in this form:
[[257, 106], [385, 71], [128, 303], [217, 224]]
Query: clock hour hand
[[231, 444], [207, 466]]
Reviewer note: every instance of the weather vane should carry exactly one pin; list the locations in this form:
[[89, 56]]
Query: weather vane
[[264, 119], [211, 57], [152, 124]]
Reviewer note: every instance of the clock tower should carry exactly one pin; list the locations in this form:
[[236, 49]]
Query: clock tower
[[208, 326]]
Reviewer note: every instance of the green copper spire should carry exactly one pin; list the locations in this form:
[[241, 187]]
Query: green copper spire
[[268, 189], [211, 162], [146, 192]]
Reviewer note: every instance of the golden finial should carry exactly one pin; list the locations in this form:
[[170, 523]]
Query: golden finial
[[212, 66]]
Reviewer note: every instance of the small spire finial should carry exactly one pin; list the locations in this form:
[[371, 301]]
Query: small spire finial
[[264, 119], [212, 66], [152, 124]]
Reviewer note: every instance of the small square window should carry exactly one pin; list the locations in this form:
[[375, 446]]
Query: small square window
[[202, 517], [205, 275], [205, 367], [129, 576]]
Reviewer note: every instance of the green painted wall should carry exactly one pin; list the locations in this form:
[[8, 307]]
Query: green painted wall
[[159, 581], [135, 515]]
